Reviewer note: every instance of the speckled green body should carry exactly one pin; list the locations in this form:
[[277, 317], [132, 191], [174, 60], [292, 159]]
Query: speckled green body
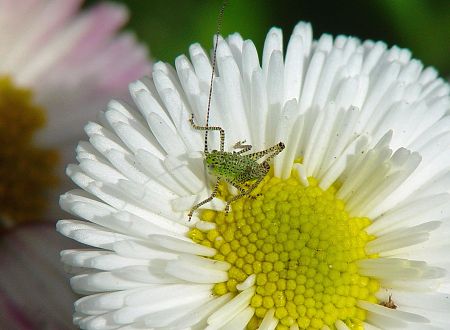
[[234, 167]]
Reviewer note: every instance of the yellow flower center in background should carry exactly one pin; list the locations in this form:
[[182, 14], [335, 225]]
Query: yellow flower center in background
[[26, 170], [302, 246]]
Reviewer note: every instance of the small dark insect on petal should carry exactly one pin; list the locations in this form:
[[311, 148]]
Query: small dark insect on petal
[[389, 304]]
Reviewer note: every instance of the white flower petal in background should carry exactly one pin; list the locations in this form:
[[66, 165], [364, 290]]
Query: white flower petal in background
[[350, 230], [77, 62]]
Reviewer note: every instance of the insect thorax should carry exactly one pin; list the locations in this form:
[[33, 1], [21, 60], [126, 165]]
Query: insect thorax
[[231, 166]]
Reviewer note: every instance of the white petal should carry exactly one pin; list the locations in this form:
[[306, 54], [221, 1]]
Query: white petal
[[232, 308]]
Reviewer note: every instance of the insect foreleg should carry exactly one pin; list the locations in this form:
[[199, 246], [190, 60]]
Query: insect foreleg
[[272, 152], [210, 198], [210, 128]]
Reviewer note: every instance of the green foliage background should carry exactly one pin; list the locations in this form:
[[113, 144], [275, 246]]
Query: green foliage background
[[168, 27]]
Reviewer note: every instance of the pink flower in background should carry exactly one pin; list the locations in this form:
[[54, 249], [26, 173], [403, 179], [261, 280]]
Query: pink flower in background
[[73, 63], [58, 68], [33, 286], [65, 66]]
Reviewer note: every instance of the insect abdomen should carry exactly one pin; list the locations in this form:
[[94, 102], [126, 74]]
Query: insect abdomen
[[231, 166]]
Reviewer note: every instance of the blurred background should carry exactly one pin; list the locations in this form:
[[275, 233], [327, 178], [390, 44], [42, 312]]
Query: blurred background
[[170, 26]]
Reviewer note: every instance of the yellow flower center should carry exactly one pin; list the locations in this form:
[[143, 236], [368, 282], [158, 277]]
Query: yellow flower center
[[26, 170], [302, 246]]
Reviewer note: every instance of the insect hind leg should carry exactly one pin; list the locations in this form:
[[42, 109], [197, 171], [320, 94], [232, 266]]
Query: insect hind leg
[[210, 128], [244, 147], [272, 152]]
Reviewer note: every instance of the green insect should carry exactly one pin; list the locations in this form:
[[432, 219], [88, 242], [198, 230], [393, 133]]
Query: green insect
[[236, 167], [241, 170]]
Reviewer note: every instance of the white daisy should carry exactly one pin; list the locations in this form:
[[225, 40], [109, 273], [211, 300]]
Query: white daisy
[[58, 68], [349, 231]]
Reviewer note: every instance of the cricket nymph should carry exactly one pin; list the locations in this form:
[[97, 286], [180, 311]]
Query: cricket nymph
[[243, 171]]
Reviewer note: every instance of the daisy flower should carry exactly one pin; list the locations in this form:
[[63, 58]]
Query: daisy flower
[[58, 68], [349, 229]]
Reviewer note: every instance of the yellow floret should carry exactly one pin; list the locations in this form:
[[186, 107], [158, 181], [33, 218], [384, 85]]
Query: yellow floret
[[27, 169], [303, 248]]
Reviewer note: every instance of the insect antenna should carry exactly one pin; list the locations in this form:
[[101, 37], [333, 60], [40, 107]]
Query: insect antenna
[[219, 26]]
